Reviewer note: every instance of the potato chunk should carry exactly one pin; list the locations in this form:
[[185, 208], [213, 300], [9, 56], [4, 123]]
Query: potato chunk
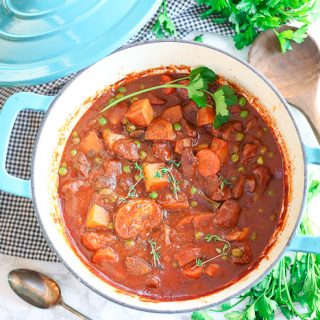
[[106, 254], [205, 116], [97, 217], [160, 129], [91, 142], [152, 180], [110, 138], [140, 113], [173, 114]]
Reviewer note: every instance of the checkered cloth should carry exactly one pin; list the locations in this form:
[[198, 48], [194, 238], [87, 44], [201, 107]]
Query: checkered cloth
[[20, 234]]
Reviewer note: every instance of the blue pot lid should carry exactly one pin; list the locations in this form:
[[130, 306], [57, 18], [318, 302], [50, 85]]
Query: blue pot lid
[[42, 40]]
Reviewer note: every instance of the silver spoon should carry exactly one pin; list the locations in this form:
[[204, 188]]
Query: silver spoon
[[38, 290]]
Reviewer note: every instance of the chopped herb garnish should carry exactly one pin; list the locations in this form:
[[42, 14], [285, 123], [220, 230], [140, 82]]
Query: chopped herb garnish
[[132, 190], [199, 262], [224, 182], [221, 252], [171, 178], [155, 252]]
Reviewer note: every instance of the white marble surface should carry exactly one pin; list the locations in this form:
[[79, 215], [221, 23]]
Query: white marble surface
[[79, 296]]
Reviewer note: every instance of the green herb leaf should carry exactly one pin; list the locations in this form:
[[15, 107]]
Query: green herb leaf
[[198, 38], [163, 26], [155, 252]]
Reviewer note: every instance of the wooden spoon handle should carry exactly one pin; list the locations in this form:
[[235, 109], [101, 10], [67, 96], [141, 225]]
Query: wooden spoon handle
[[313, 117]]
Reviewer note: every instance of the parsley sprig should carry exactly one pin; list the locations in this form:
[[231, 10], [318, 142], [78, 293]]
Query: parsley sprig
[[249, 17], [155, 252], [291, 283], [164, 26], [132, 190], [199, 80]]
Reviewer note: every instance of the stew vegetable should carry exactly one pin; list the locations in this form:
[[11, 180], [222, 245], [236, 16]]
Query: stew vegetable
[[172, 192]]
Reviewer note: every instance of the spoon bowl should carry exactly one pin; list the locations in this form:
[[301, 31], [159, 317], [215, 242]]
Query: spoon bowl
[[38, 289], [296, 73]]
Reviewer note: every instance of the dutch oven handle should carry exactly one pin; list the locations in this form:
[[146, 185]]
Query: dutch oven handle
[[16, 103], [300, 242]]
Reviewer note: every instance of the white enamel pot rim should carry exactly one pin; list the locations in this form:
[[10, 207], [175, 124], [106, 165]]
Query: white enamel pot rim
[[179, 53]]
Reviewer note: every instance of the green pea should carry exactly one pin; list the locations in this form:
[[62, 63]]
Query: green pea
[[102, 121], [236, 252], [194, 203], [63, 171], [73, 152], [98, 160], [76, 140], [129, 243], [239, 136], [138, 144], [112, 100], [153, 195], [234, 157], [254, 236], [119, 95], [242, 101], [263, 149], [260, 160], [199, 235], [244, 114], [130, 127], [177, 127], [273, 217], [74, 134], [110, 226], [126, 169], [193, 190], [136, 177], [122, 89], [142, 154], [241, 169]]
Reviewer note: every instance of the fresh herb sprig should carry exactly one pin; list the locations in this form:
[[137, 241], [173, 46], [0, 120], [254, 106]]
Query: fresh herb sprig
[[164, 26], [132, 190], [248, 18], [199, 80], [291, 283], [155, 252], [171, 178], [212, 203], [221, 252]]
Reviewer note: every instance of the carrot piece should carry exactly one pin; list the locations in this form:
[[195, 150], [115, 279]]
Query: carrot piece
[[211, 269], [151, 179], [193, 272], [220, 148], [173, 114], [140, 113], [106, 254], [170, 203], [97, 217], [110, 138], [91, 142], [237, 234], [181, 144], [185, 220], [160, 129], [165, 79], [205, 116], [208, 163]]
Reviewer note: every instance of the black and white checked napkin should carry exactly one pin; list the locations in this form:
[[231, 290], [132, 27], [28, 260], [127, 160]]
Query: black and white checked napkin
[[20, 234]]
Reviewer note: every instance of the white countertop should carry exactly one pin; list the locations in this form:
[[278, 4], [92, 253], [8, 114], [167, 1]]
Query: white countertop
[[79, 296]]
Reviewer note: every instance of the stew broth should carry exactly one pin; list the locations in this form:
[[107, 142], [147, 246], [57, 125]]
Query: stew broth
[[159, 202]]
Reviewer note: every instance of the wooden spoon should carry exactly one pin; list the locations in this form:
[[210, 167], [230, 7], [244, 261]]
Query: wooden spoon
[[296, 73]]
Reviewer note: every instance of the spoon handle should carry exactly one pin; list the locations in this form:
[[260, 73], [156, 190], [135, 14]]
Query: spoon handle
[[77, 313]]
